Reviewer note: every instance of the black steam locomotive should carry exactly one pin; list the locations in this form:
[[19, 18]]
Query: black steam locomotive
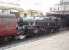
[[39, 25]]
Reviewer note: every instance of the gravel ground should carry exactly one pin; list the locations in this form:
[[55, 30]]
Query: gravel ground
[[55, 42]]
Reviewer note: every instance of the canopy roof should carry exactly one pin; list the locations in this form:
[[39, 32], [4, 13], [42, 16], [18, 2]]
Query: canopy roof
[[10, 6]]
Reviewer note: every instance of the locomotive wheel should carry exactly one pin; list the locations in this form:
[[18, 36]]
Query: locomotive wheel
[[36, 31], [52, 30], [57, 29]]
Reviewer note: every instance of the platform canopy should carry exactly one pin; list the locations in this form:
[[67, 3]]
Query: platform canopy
[[8, 6]]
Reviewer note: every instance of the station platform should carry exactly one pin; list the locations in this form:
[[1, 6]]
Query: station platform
[[59, 41]]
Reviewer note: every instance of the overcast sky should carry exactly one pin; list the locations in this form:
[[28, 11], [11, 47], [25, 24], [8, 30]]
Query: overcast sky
[[42, 5]]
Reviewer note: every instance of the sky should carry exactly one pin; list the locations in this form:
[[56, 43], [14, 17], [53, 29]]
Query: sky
[[42, 5]]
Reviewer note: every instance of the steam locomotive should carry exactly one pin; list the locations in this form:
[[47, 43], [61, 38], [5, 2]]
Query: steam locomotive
[[40, 25], [13, 27]]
